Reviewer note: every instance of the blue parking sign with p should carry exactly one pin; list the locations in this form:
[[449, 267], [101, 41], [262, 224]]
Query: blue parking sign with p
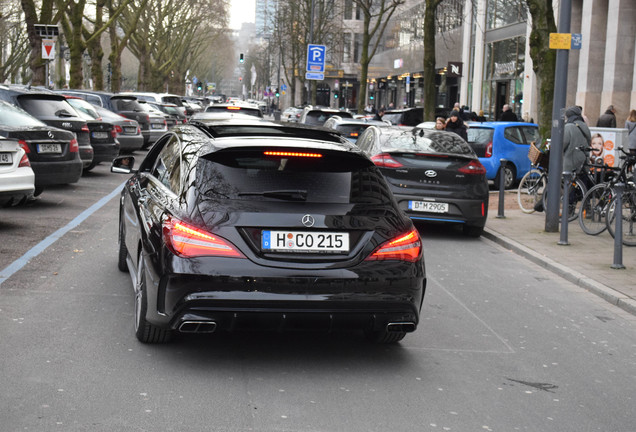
[[316, 58]]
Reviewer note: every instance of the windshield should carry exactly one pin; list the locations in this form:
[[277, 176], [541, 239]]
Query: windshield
[[11, 116]]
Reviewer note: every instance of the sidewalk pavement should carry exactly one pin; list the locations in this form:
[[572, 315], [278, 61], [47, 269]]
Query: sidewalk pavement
[[587, 261]]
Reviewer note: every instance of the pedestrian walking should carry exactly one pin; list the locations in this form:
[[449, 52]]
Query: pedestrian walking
[[456, 124], [507, 114], [630, 125], [608, 118]]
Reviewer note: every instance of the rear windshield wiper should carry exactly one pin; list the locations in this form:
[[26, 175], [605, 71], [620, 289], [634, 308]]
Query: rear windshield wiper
[[290, 195], [63, 113]]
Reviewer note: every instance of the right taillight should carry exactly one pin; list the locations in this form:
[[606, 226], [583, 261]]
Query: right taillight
[[73, 146], [488, 150], [385, 160], [473, 167], [24, 162], [405, 247], [118, 129], [24, 146]]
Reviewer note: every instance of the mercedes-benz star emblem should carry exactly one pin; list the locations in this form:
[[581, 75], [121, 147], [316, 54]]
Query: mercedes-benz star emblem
[[51, 135], [308, 220]]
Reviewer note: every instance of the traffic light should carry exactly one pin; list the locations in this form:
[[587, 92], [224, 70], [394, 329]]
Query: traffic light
[[241, 58], [199, 85], [277, 93], [335, 95]]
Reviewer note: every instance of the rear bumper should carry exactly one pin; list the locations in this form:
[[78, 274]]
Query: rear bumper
[[367, 296], [472, 212], [105, 152], [17, 188], [130, 143], [64, 172], [150, 136]]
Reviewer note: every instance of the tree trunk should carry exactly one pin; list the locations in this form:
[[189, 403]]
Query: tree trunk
[[429, 72]]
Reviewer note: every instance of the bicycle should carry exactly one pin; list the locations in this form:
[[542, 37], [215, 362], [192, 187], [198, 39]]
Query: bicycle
[[628, 208]]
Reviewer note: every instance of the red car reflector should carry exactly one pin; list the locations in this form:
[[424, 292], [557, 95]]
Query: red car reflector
[[187, 241], [74, 146], [292, 154], [473, 167], [385, 160], [406, 247], [24, 146], [24, 162], [488, 150]]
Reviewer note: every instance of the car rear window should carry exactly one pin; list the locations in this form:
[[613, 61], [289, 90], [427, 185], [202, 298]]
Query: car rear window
[[394, 118], [11, 116], [251, 175], [480, 135], [430, 142], [41, 107], [172, 99], [234, 109], [352, 130], [126, 104]]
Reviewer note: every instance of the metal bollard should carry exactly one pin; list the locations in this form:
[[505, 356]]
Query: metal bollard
[[618, 230], [567, 180], [502, 188]]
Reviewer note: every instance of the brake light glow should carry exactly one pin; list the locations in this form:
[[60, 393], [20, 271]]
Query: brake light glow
[[24, 162], [234, 108], [488, 150], [85, 128], [385, 160], [187, 241], [473, 167], [406, 247], [24, 146], [292, 154], [73, 146]]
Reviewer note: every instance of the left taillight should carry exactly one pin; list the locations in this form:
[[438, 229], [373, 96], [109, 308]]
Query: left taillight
[[405, 247], [73, 146], [24, 146], [473, 167], [24, 162], [187, 241], [385, 160]]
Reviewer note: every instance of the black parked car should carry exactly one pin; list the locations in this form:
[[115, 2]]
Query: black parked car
[[52, 152], [434, 175], [249, 224], [102, 134], [54, 110]]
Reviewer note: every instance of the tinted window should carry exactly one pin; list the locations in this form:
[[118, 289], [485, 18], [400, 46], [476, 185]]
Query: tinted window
[[47, 107], [167, 168], [126, 104], [513, 134], [250, 175], [394, 118], [352, 130], [530, 133], [172, 100], [413, 117], [14, 116]]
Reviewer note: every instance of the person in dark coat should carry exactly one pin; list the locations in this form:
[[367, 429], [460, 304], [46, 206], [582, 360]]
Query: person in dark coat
[[608, 119], [456, 124], [575, 134], [507, 114], [379, 114]]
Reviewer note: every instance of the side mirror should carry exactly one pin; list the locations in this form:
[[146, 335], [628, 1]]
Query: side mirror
[[123, 165]]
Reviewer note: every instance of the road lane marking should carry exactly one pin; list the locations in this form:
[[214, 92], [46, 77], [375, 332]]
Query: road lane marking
[[16, 265]]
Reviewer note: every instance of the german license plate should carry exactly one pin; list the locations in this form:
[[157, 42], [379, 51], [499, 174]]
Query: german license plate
[[156, 126], [100, 135], [130, 130], [6, 158], [428, 206], [303, 241], [49, 148]]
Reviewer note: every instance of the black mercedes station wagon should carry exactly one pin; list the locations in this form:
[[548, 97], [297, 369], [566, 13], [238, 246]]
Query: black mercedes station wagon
[[247, 224]]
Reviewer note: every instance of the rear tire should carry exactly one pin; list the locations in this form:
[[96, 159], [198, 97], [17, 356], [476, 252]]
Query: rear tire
[[530, 191], [122, 255], [146, 332], [91, 166], [628, 215]]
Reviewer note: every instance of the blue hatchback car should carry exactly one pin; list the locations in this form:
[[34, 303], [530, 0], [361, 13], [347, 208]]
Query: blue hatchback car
[[493, 141]]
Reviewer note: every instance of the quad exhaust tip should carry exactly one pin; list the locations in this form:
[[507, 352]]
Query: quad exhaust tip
[[405, 327], [197, 327]]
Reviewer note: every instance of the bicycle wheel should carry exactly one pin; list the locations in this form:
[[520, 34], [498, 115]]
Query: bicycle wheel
[[530, 191], [594, 209], [628, 216], [576, 193]]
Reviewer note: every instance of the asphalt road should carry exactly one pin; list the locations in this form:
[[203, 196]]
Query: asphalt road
[[503, 345]]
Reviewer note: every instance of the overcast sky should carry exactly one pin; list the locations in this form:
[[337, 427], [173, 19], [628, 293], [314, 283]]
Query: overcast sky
[[241, 11]]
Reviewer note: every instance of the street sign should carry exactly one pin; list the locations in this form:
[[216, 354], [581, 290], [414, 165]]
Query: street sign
[[46, 30], [316, 58], [314, 76], [577, 40], [560, 40], [283, 87], [48, 49]]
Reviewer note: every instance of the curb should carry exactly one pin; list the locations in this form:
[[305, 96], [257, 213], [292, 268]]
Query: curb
[[609, 294]]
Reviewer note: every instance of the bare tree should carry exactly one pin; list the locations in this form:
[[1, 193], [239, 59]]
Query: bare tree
[[376, 16], [429, 72], [14, 49]]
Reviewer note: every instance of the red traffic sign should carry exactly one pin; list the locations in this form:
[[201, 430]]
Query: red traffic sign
[[48, 49]]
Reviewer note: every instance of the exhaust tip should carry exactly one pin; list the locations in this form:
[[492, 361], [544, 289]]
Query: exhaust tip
[[197, 327], [405, 327]]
